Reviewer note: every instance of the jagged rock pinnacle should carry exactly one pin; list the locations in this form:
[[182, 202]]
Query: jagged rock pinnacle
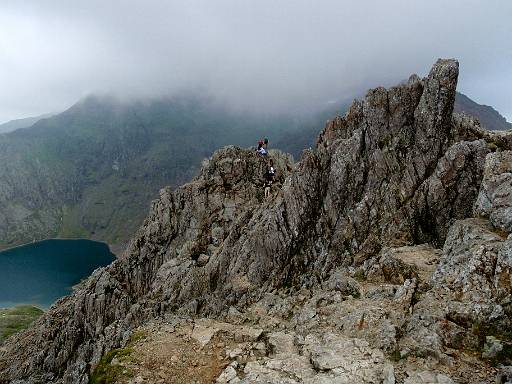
[[394, 171]]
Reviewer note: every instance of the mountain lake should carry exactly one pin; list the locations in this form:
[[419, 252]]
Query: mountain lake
[[40, 273]]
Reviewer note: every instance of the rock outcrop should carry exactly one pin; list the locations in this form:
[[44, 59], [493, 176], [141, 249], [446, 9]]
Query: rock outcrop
[[398, 170]]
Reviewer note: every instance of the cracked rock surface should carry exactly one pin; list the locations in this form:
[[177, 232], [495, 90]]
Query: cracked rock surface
[[365, 264]]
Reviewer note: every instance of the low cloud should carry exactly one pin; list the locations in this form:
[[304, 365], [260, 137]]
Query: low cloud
[[264, 55]]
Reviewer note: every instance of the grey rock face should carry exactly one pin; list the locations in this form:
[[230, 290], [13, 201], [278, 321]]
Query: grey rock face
[[324, 360], [394, 171], [476, 265], [495, 197], [464, 296], [469, 259], [503, 271]]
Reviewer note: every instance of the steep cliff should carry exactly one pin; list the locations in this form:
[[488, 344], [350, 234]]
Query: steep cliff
[[399, 169]]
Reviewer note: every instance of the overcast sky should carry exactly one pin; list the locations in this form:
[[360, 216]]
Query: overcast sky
[[275, 55]]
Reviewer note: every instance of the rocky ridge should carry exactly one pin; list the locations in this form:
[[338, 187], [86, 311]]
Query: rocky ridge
[[397, 171], [488, 116], [92, 170]]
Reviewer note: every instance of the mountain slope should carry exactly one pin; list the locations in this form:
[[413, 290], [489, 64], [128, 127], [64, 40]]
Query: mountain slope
[[489, 118], [92, 170], [22, 123], [398, 170]]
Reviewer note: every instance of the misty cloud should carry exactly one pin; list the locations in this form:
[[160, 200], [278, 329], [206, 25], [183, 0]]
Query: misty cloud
[[257, 55]]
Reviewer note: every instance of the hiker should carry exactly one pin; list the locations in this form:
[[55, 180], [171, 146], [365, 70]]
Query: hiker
[[261, 151], [267, 185], [269, 178], [271, 169], [265, 143]]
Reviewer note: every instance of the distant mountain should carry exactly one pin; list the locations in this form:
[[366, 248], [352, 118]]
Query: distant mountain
[[92, 170], [489, 118], [21, 123]]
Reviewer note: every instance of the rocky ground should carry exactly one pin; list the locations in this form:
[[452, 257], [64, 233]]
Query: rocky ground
[[348, 330], [383, 256]]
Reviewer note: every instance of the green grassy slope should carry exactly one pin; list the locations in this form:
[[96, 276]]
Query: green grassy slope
[[15, 319]]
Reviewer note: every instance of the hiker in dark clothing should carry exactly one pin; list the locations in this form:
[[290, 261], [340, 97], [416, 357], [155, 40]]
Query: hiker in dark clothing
[[271, 169], [267, 185], [269, 178]]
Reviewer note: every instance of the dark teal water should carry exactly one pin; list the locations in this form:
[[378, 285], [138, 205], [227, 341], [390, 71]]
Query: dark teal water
[[42, 272]]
